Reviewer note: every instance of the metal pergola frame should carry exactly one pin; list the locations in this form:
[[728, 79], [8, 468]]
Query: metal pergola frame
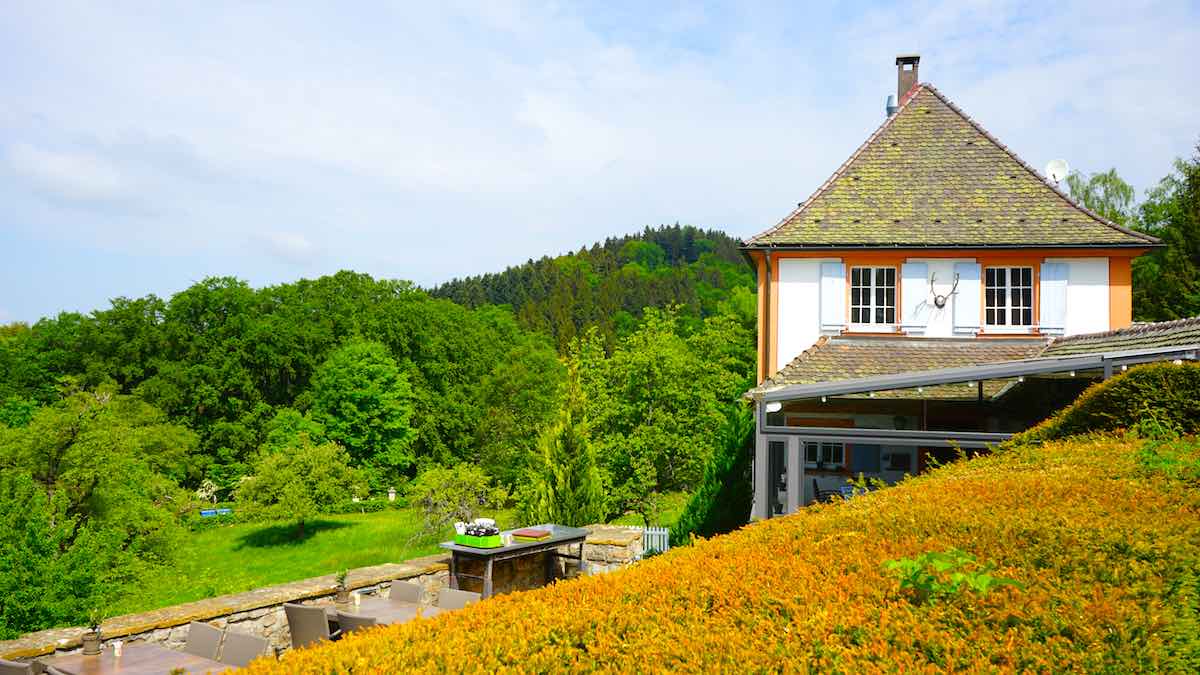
[[1105, 361]]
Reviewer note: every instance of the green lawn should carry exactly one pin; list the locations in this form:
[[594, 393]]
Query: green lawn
[[670, 507], [236, 558]]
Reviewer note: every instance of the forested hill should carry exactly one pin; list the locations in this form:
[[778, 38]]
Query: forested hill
[[610, 284]]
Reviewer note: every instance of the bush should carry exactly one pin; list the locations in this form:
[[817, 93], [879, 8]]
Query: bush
[[1157, 393], [1107, 554], [298, 483], [449, 494], [722, 503]]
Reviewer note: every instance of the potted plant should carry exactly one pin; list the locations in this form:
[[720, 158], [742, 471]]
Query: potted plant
[[91, 637], [343, 592]]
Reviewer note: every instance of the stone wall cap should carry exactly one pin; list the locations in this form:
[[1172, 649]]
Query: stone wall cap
[[47, 641], [613, 535]]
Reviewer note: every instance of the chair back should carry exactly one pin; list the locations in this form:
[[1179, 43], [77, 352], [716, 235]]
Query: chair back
[[306, 624], [405, 591], [351, 622], [240, 649], [15, 668], [452, 598], [203, 640]]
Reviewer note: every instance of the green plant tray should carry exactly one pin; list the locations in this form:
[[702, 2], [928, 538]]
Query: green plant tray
[[493, 541]]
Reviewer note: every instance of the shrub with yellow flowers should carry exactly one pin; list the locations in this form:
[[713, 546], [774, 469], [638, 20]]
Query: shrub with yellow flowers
[[1102, 551]]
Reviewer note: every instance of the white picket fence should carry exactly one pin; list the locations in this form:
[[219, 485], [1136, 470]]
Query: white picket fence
[[655, 540]]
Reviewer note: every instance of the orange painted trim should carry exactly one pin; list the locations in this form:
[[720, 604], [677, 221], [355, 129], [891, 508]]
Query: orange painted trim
[[1120, 293]]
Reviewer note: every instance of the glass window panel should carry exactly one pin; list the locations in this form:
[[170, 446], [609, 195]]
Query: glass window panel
[[1028, 317]]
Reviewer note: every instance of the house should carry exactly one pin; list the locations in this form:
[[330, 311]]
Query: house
[[932, 253]]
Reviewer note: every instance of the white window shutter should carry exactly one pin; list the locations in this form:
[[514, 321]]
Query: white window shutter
[[914, 297], [966, 298], [833, 296], [1053, 298]]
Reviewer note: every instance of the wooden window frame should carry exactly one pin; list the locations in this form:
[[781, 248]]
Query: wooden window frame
[[871, 307], [1008, 308]]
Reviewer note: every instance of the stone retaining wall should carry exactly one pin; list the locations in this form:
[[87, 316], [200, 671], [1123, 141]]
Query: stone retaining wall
[[260, 612]]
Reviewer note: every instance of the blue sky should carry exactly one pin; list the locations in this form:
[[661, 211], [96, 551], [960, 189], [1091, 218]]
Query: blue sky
[[144, 147]]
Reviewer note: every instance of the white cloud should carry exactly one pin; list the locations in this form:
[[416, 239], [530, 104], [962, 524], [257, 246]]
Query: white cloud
[[377, 137], [289, 247], [74, 176]]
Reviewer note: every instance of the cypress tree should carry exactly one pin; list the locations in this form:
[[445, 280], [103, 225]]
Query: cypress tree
[[566, 486], [722, 503]]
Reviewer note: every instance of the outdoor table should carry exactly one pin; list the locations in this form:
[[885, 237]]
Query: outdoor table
[[384, 610], [137, 658], [560, 535]]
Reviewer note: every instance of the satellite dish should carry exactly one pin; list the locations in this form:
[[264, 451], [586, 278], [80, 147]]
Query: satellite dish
[[1057, 169]]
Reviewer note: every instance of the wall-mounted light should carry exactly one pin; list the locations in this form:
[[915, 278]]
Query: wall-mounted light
[[1072, 373], [1124, 367], [1021, 379], [872, 394], [774, 407], [823, 399]]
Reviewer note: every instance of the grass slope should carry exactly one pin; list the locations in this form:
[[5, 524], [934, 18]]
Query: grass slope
[[1105, 544], [237, 558]]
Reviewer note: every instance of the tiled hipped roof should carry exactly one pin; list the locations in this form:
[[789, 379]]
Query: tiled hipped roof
[[930, 176], [1138, 336], [835, 358]]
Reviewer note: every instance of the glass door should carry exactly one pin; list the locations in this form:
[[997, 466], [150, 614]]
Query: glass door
[[777, 478]]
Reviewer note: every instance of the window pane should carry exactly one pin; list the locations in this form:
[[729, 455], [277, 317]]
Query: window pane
[[891, 315], [856, 276], [1000, 317], [1015, 294], [890, 297], [879, 295], [991, 277], [878, 315], [810, 452], [1027, 297], [1027, 276], [1028, 317], [991, 317], [891, 276]]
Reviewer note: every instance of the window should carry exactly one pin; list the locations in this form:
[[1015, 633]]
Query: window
[[824, 454], [873, 295], [1008, 296]]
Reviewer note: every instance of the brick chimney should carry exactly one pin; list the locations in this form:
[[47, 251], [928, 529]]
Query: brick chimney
[[906, 74]]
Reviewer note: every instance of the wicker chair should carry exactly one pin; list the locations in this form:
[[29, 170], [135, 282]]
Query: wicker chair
[[405, 591], [348, 623], [203, 640], [240, 649], [308, 625], [451, 598]]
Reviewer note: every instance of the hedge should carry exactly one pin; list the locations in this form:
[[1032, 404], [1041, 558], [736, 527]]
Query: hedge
[[1162, 394], [1105, 549]]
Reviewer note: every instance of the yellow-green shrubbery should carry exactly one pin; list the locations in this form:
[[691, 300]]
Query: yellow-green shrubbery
[[1157, 393], [1104, 551]]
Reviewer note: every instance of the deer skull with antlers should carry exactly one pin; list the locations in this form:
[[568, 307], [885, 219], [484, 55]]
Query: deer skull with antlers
[[940, 299]]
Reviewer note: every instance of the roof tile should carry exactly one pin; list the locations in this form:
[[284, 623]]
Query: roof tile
[[931, 176]]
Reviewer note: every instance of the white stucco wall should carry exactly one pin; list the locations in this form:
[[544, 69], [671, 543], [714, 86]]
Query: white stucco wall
[[939, 323], [799, 309], [1087, 295]]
